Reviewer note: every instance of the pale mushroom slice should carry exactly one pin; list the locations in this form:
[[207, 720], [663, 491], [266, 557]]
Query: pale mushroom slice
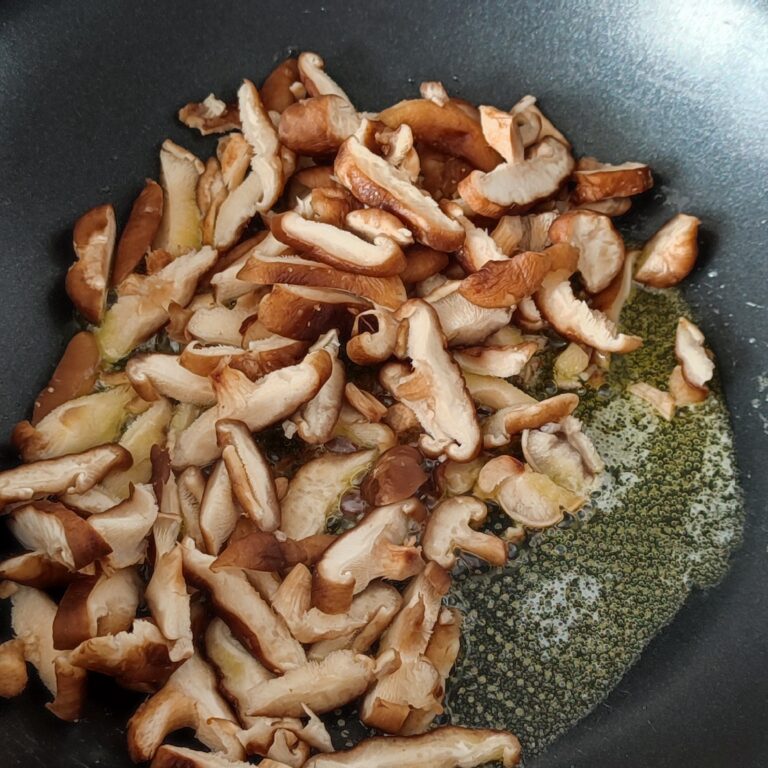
[[322, 685], [139, 231], [189, 699], [168, 756], [315, 79], [13, 669], [262, 269], [502, 132], [315, 490], [695, 362], [529, 498], [456, 478], [318, 126], [74, 473], [75, 426], [662, 402], [211, 193], [142, 309], [218, 512], [249, 474], [503, 361], [571, 367], [433, 387], [564, 453], [87, 280], [180, 227], [58, 533], [601, 181], [611, 300], [451, 527], [316, 419], [479, 247], [370, 223], [450, 746], [217, 324], [257, 404], [528, 317], [337, 247], [96, 605], [374, 181], [670, 255], [234, 154], [374, 336], [516, 186], [155, 375], [575, 320], [246, 613], [682, 392], [356, 428], [35, 569], [524, 233], [601, 249], [376, 548], [366, 403], [397, 475], [211, 115]]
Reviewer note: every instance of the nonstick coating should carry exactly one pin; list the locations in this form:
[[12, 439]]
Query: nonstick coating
[[89, 88]]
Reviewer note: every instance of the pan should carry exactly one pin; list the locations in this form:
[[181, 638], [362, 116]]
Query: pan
[[88, 92]]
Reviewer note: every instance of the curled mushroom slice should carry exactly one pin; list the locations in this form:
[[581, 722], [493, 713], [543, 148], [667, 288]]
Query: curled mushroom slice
[[13, 669], [397, 475], [139, 231], [218, 512], [157, 375], [682, 392], [662, 402], [87, 280], [374, 549], [601, 249], [695, 362], [316, 80], [370, 223], [96, 605], [564, 453], [293, 270], [526, 233], [189, 699], [433, 387], [603, 180], [670, 255], [57, 532], [277, 89], [575, 320], [502, 361], [450, 746], [421, 263], [451, 526], [249, 474], [375, 182], [501, 131], [320, 685], [366, 403], [314, 491], [35, 569], [234, 154], [303, 313], [356, 428], [479, 247], [211, 115], [374, 335], [75, 473], [216, 324], [260, 551], [32, 617], [318, 126], [257, 404], [246, 613], [515, 186]]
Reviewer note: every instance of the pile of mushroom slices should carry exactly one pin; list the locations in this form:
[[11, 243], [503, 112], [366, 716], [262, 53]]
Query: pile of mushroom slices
[[363, 287]]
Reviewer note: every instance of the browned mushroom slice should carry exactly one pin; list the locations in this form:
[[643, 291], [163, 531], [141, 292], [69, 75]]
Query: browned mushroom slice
[[502, 132], [211, 115], [126, 526], [75, 426], [218, 512], [575, 320], [249, 474], [139, 230], [318, 126], [422, 262], [316, 488], [276, 91], [374, 549], [188, 700], [260, 551], [87, 280], [374, 335], [75, 473], [320, 685], [450, 746], [516, 186], [433, 387], [397, 475], [455, 478], [662, 402], [285, 740], [365, 403], [670, 255], [603, 180], [695, 362], [13, 669], [370, 223], [137, 659], [32, 617], [143, 308], [529, 498], [327, 205], [601, 249], [234, 154], [293, 270], [157, 375], [450, 527], [316, 419], [448, 128], [564, 453], [682, 392], [96, 605], [526, 233], [314, 77], [303, 313], [375, 182], [211, 193], [502, 361], [64, 537], [247, 614], [35, 569]]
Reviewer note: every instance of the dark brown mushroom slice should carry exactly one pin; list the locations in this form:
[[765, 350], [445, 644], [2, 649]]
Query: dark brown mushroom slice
[[139, 231], [276, 93], [396, 476], [318, 126]]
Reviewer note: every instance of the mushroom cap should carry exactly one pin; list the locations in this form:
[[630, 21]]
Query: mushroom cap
[[155, 375], [696, 365], [422, 262], [139, 231], [670, 255], [511, 420], [319, 125], [525, 233], [374, 336], [275, 91], [260, 551], [396, 476], [604, 180]]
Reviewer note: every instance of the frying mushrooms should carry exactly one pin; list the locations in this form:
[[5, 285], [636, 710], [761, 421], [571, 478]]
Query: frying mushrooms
[[695, 362], [602, 180], [157, 375], [318, 126], [139, 231], [670, 255]]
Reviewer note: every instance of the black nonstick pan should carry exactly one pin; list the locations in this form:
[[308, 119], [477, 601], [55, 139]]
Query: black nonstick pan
[[88, 90]]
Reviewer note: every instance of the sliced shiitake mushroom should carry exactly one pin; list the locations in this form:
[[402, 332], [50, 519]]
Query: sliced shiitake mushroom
[[319, 125], [601, 181], [670, 255], [662, 402], [695, 361]]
